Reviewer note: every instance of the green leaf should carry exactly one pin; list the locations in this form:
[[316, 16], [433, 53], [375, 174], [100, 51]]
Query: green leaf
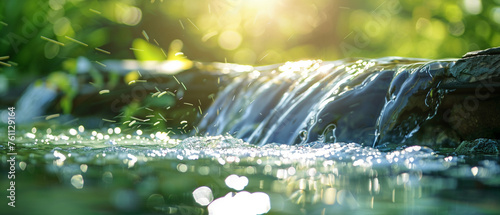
[[145, 51]]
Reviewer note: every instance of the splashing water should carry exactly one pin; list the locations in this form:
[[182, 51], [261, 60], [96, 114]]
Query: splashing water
[[362, 101], [290, 139], [225, 175]]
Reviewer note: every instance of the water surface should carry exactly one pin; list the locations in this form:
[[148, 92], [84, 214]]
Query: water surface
[[81, 171]]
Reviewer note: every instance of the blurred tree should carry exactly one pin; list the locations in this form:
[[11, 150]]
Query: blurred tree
[[248, 32]]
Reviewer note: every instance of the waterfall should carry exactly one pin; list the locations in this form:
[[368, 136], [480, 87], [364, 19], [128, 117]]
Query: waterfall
[[367, 101]]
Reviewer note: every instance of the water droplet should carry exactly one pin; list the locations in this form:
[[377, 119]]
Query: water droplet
[[329, 134]]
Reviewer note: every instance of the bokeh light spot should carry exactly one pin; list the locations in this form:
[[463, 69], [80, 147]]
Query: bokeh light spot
[[203, 195], [230, 40], [495, 14], [245, 56], [51, 50], [473, 6], [77, 181], [62, 27], [128, 15]]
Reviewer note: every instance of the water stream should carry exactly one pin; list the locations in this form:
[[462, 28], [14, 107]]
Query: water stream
[[295, 138], [369, 102]]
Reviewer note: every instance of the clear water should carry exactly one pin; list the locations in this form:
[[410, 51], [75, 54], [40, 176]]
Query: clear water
[[367, 101], [79, 171], [285, 139]]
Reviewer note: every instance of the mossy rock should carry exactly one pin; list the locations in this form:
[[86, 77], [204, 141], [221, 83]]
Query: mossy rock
[[479, 146]]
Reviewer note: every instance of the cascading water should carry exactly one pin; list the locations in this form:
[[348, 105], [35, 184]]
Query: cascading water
[[326, 106], [363, 101]]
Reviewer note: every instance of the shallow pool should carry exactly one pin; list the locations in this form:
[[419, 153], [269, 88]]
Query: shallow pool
[[81, 171]]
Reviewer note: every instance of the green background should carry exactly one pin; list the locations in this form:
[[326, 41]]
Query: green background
[[258, 32]]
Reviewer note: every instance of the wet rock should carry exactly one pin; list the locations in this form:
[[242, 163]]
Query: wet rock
[[467, 108], [471, 105], [477, 65], [434, 134], [479, 146]]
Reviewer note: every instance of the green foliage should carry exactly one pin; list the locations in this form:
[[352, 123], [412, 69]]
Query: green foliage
[[41, 37], [144, 51], [255, 32], [65, 83]]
